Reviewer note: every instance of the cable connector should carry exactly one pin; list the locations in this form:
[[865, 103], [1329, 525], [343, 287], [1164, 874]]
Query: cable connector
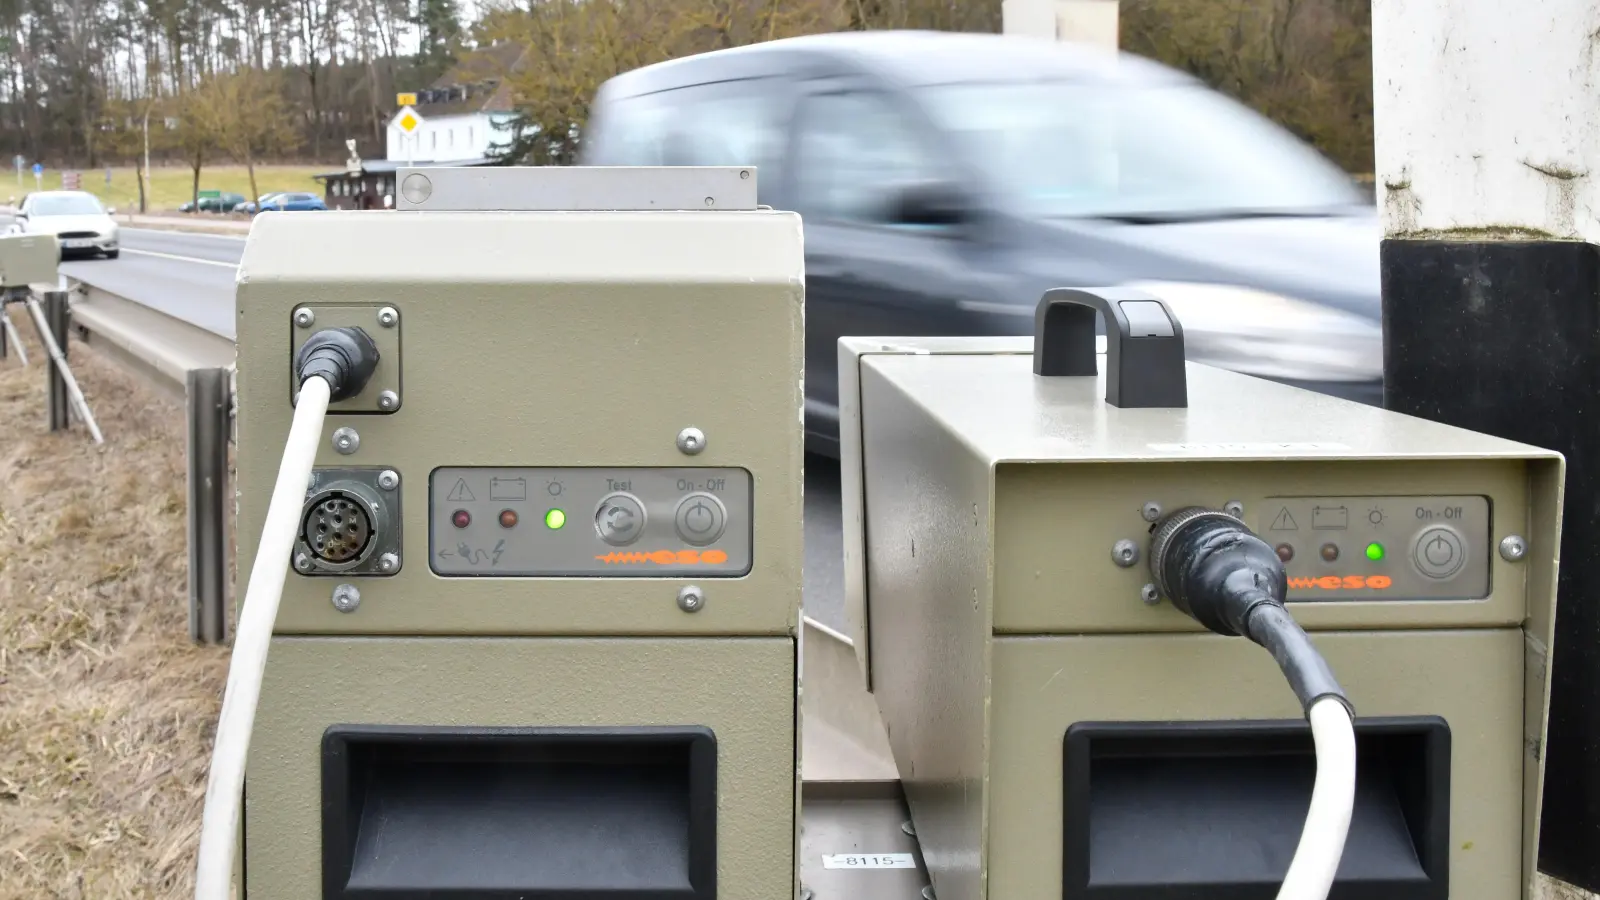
[[1213, 568], [344, 357]]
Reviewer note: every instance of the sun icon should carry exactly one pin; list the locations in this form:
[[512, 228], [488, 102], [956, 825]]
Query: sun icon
[[1375, 516]]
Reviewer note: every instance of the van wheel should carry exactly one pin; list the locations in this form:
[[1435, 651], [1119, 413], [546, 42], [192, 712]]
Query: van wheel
[[113, 254]]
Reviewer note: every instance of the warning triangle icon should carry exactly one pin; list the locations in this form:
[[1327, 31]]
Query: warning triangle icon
[[461, 492], [1284, 521]]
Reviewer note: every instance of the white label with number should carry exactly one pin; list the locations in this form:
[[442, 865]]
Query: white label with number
[[869, 861]]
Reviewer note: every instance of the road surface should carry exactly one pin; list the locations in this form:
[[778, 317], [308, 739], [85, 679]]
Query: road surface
[[191, 276]]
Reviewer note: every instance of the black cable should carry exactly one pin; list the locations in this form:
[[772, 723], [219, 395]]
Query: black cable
[[1213, 568], [344, 357]]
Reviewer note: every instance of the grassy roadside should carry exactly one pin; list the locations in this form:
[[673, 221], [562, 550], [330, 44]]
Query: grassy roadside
[[171, 186], [106, 709]]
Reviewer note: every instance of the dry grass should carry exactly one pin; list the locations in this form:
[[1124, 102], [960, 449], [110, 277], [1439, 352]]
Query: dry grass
[[106, 709]]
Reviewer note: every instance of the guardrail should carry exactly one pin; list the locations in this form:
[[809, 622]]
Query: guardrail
[[195, 366]]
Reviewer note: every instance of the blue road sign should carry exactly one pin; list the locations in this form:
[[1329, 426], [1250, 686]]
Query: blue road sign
[[38, 169]]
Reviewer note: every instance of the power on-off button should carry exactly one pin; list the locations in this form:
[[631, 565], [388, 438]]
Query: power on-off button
[[700, 519], [1439, 552]]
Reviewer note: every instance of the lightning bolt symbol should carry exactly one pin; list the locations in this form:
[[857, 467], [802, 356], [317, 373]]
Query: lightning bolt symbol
[[499, 548]]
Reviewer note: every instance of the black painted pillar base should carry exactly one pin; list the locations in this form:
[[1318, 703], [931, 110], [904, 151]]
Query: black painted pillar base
[[1503, 337]]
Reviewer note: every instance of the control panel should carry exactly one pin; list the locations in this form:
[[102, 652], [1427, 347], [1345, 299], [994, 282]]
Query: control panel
[[1380, 548], [592, 522]]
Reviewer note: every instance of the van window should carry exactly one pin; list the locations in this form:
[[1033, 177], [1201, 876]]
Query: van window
[[738, 123], [853, 148]]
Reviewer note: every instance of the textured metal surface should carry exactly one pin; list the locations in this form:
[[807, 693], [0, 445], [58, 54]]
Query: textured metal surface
[[987, 513], [743, 689], [576, 188], [27, 259], [1470, 677], [543, 339], [858, 818], [209, 425], [928, 515]]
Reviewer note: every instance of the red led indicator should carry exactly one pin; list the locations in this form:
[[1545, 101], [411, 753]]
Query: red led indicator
[[461, 518]]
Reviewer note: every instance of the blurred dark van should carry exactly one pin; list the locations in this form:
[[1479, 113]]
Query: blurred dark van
[[948, 180]]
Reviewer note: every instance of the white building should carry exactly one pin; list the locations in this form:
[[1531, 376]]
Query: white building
[[464, 113]]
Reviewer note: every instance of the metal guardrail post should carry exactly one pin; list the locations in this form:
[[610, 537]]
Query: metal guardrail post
[[210, 424], [9, 339], [65, 395], [56, 317]]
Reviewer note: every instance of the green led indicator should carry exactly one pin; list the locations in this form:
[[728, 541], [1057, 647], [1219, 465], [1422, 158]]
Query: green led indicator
[[555, 518], [1374, 551]]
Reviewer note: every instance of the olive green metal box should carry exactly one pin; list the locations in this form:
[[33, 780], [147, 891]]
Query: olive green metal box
[[1059, 736], [569, 507], [27, 259]]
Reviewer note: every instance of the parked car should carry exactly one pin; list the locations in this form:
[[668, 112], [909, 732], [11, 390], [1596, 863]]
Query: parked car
[[81, 225], [219, 204], [293, 201], [948, 180], [251, 207]]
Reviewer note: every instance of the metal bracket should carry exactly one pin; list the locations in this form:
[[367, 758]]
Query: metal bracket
[[1144, 344]]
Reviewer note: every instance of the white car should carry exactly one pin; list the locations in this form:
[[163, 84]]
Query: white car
[[81, 225]]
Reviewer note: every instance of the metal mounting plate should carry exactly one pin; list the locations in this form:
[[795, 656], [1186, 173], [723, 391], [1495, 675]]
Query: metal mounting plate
[[364, 316], [382, 507]]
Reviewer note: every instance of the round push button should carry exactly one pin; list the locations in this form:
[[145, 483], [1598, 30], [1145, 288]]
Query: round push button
[[700, 519], [1439, 553], [619, 519]]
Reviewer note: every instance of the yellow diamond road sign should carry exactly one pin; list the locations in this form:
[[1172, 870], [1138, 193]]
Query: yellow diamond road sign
[[405, 99], [408, 121]]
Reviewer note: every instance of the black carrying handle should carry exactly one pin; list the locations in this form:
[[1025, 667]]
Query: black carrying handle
[[1144, 344]]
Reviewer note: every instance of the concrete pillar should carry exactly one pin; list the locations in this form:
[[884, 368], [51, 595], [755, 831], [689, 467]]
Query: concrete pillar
[[1084, 21], [1488, 171]]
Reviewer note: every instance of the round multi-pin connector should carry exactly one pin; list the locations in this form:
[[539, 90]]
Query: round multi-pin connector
[[337, 528]]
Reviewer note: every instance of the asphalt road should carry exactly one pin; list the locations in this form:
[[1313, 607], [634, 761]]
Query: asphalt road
[[191, 277]]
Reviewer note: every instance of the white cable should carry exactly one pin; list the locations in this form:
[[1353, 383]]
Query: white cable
[[1316, 860], [220, 827]]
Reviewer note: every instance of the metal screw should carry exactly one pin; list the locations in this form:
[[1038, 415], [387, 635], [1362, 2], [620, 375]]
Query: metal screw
[[805, 893], [1150, 595], [927, 893], [346, 598], [1234, 508], [304, 317], [388, 400], [1151, 511], [302, 562], [1125, 553], [711, 201], [744, 174], [416, 188], [691, 599], [388, 562], [908, 828], [1513, 547], [691, 440], [388, 316], [346, 440], [388, 479]]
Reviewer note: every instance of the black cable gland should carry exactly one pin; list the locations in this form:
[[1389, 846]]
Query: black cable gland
[[1214, 569], [344, 357]]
